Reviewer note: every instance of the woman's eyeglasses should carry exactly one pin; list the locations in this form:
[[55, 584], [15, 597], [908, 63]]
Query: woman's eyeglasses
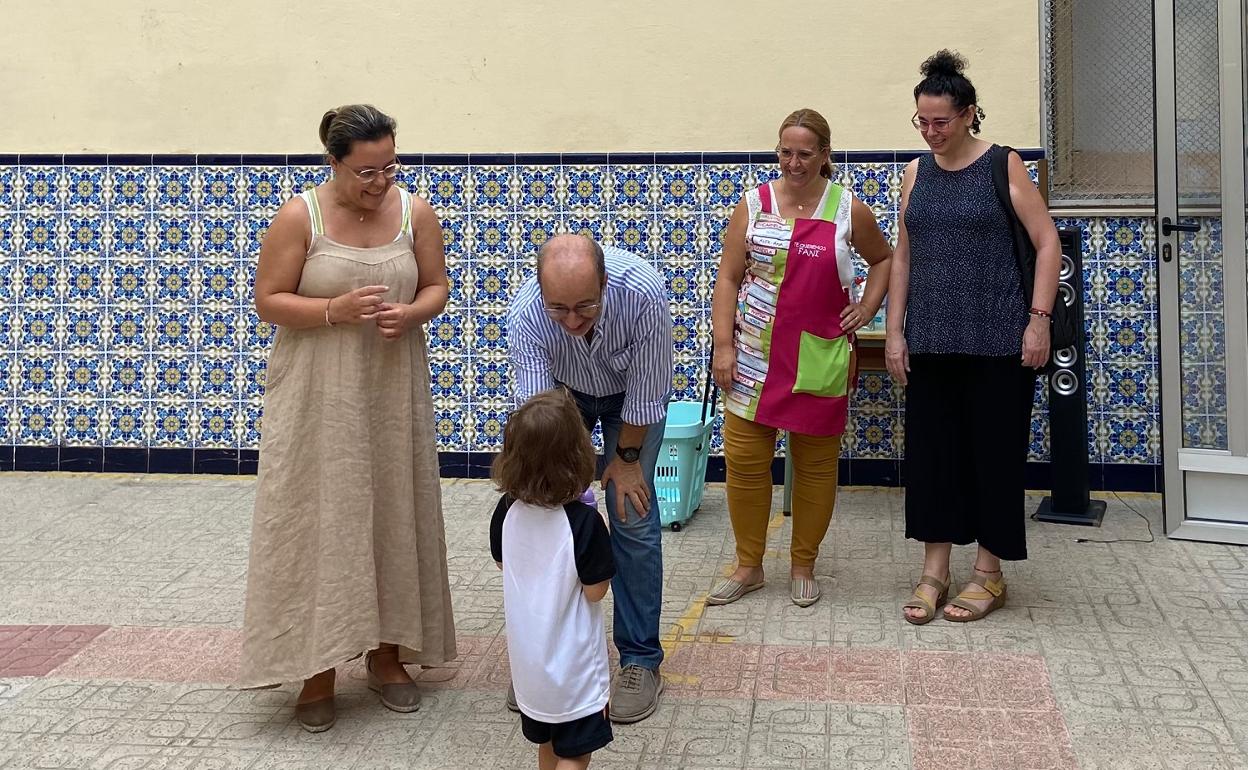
[[367, 175], [939, 124]]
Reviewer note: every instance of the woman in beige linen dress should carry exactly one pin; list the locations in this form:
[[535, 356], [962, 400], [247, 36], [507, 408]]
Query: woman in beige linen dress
[[348, 551]]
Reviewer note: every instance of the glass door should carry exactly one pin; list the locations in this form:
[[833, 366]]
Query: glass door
[[1201, 170]]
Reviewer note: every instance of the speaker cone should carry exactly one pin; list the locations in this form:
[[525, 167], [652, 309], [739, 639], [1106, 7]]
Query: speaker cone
[[1065, 383], [1067, 269], [1066, 357]]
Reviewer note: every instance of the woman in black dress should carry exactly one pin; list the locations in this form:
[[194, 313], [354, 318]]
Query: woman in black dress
[[966, 344]]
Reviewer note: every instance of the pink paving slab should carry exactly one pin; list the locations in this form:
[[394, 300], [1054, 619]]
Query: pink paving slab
[[979, 680], [979, 739], [158, 655], [38, 650]]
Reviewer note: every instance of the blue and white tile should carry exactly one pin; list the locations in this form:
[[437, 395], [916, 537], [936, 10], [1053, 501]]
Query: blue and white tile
[[490, 380], [216, 424], [448, 332], [217, 235], [723, 184], [172, 376], [126, 424], [686, 327], [491, 188], [81, 423], [582, 188], [83, 328], [535, 230], [678, 188], [678, 235], [306, 177], [84, 281], [634, 233], [37, 327], [41, 189], [84, 375], [36, 422], [129, 376], [217, 189], [491, 234], [130, 188], [252, 417], [1133, 437], [9, 224], [127, 330], [41, 234], [539, 188], [264, 188], [171, 425], [85, 188], [174, 189], [447, 380], [128, 235], [176, 235], [85, 234], [633, 188], [592, 225], [447, 188], [450, 428]]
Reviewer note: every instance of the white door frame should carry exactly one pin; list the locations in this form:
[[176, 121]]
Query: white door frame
[[1201, 485]]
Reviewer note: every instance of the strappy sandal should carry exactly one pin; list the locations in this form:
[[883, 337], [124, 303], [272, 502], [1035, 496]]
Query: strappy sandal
[[992, 589], [804, 591], [920, 602], [730, 590]]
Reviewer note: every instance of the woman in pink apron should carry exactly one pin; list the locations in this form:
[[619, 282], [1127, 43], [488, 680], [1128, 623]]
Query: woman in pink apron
[[783, 324]]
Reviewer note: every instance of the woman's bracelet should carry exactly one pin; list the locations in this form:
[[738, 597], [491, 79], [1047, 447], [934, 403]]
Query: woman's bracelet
[[327, 321], [1039, 312]]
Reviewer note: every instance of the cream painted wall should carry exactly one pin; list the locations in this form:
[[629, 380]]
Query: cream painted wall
[[497, 75]]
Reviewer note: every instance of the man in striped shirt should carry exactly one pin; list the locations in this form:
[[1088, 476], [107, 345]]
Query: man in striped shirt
[[598, 323]]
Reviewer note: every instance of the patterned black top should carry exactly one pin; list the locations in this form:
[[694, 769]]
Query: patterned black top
[[965, 292]]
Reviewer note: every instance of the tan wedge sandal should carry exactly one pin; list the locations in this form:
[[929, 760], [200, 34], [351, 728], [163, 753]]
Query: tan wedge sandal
[[919, 602], [992, 589]]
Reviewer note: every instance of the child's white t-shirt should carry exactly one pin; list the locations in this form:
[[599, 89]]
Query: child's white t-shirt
[[556, 639]]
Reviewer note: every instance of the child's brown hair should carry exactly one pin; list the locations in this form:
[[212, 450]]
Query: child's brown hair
[[547, 458]]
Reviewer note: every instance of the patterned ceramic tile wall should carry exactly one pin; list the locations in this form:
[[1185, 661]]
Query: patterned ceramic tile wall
[[125, 290], [1203, 335]]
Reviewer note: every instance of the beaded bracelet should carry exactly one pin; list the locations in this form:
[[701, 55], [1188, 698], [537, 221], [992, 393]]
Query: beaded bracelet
[[1039, 312]]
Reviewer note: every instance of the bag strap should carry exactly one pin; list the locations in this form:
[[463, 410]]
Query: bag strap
[[1001, 184]]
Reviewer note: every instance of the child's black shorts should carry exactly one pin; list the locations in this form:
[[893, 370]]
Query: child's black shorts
[[570, 739]]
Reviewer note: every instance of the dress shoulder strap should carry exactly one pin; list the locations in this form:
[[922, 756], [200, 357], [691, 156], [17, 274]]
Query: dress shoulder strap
[[314, 212], [406, 198]]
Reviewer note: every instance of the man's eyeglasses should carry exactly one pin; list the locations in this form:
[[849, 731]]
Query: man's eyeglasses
[[584, 310], [368, 175], [940, 124]]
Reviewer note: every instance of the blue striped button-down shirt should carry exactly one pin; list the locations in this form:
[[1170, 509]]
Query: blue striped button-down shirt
[[631, 352]]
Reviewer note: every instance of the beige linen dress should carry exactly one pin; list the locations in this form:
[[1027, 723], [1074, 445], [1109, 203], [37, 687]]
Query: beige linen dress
[[348, 548]]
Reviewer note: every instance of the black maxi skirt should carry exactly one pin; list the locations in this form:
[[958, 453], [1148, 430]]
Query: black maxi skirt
[[967, 431]]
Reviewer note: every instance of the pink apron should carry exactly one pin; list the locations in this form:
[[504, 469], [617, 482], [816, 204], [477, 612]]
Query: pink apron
[[793, 358]]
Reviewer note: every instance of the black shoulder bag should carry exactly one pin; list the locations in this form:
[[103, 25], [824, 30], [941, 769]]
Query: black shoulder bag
[[1062, 329]]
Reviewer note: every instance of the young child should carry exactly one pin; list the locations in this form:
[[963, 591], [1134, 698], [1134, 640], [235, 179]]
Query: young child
[[555, 553]]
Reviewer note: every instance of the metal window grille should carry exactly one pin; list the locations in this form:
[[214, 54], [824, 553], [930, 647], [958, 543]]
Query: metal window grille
[[1098, 101]]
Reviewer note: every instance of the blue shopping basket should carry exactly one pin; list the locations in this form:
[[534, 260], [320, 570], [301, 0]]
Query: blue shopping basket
[[680, 473]]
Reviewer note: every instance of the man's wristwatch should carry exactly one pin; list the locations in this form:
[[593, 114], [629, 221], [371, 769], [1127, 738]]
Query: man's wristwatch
[[629, 454]]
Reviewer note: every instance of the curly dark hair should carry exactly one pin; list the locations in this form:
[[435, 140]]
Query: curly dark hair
[[547, 458], [943, 76]]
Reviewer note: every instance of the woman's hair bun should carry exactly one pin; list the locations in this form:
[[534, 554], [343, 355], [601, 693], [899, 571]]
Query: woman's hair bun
[[943, 62]]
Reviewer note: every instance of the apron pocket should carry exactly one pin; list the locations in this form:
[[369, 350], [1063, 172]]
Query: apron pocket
[[822, 366]]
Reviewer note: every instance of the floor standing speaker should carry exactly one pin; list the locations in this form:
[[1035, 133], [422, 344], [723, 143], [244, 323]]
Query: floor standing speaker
[[1070, 502]]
